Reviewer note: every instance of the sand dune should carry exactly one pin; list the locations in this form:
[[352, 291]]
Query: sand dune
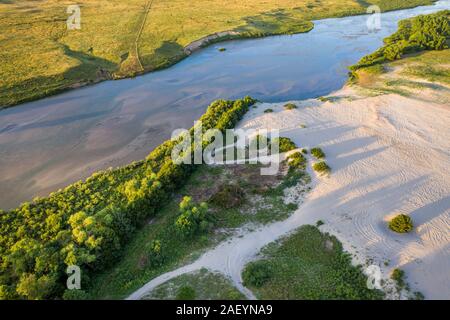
[[389, 154]]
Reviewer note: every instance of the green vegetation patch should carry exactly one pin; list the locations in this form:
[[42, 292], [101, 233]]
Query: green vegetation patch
[[318, 153], [424, 32], [290, 106], [297, 160], [321, 167], [398, 275], [307, 265], [200, 285], [401, 224], [284, 144]]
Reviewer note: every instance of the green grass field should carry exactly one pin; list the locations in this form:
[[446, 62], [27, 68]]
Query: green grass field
[[39, 56], [307, 265]]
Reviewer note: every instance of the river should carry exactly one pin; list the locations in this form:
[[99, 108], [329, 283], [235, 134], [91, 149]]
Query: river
[[52, 142]]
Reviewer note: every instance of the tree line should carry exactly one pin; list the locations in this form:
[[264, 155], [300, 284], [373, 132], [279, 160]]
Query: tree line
[[87, 223], [424, 32]]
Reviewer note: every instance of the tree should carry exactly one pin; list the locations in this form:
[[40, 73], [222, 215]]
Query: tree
[[192, 217]]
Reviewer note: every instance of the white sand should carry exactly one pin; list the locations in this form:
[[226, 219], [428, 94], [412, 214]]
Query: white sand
[[388, 154]]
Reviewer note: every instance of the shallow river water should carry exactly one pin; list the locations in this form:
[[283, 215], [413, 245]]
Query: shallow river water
[[47, 144]]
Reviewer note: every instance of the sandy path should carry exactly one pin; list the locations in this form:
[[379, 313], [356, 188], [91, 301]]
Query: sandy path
[[388, 155]]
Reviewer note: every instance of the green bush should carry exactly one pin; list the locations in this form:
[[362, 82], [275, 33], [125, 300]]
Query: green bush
[[268, 110], [401, 224], [186, 293], [321, 167], [398, 276], [290, 106], [256, 274], [318, 153], [192, 219], [284, 144]]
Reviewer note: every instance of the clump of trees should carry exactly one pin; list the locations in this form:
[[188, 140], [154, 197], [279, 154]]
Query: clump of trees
[[401, 224], [88, 223], [193, 219], [425, 32]]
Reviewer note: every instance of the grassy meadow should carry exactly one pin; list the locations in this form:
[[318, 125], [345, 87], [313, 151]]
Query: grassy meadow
[[307, 265], [39, 56]]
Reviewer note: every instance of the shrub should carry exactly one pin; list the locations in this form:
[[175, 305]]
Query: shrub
[[319, 223], [297, 161], [318, 153], [256, 274], [290, 106], [321, 167], [229, 196], [186, 293], [268, 110], [284, 144], [401, 224], [398, 276], [156, 257]]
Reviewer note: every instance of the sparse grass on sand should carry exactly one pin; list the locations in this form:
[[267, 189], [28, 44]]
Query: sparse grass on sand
[[39, 56], [205, 285], [307, 265], [428, 70]]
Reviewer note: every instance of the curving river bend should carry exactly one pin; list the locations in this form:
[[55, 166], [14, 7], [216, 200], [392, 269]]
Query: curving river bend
[[47, 144]]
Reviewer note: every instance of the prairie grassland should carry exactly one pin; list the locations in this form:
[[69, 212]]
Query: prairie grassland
[[426, 72], [39, 56]]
